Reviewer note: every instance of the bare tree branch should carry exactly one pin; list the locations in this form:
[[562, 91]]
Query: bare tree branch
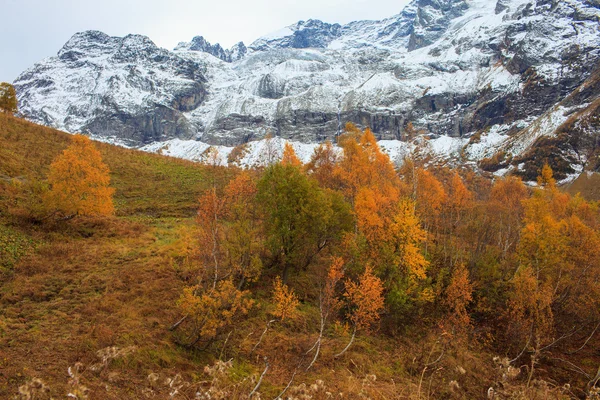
[[260, 379]]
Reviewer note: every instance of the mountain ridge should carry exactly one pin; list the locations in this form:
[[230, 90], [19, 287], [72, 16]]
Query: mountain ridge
[[453, 68]]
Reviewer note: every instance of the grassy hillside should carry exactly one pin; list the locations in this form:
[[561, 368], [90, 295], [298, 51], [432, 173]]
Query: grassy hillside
[[68, 291], [86, 305], [146, 184], [97, 295]]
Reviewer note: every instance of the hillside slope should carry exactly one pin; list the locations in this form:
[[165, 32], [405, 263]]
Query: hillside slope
[[88, 306], [85, 305]]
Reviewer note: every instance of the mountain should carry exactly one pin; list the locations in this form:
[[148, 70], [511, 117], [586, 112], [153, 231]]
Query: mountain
[[198, 43], [122, 88], [484, 80]]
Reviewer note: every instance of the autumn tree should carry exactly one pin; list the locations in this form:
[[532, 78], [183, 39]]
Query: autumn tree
[[79, 181], [211, 311], [405, 268], [210, 216], [387, 228], [459, 203], [301, 219], [286, 307], [365, 166], [230, 240], [285, 300], [459, 294], [243, 241], [505, 209], [430, 199], [8, 98], [546, 177], [289, 156], [329, 304], [365, 298], [555, 290], [322, 165]]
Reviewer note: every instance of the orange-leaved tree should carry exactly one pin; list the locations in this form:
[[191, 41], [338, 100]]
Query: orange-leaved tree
[[366, 302], [459, 294], [79, 181], [290, 157], [211, 212], [210, 311], [286, 301], [243, 242], [322, 164], [555, 289]]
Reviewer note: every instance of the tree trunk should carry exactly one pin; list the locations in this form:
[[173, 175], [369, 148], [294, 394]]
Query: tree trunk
[[285, 274], [348, 345]]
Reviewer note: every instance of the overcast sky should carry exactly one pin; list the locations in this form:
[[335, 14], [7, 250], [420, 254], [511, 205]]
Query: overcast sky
[[34, 29]]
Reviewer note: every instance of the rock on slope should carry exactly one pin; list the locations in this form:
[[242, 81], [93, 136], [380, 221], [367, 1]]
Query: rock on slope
[[503, 73]]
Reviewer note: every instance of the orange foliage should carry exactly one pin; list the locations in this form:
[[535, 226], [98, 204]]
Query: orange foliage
[[408, 236], [212, 310], [211, 211], [366, 298], [431, 195], [80, 181], [530, 308], [329, 301], [242, 244], [290, 157], [364, 165], [322, 164], [286, 301], [458, 296], [459, 199], [505, 209], [546, 178]]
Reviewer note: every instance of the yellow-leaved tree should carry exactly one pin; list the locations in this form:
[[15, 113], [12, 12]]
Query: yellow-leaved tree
[[79, 181]]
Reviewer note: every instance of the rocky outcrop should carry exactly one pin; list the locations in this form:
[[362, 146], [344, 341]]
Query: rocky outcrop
[[155, 124], [302, 35], [198, 43], [432, 20]]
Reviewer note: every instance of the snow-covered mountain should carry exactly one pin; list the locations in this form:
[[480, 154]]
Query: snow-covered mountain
[[485, 78]]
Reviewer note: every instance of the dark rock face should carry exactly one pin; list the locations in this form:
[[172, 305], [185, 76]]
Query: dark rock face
[[244, 128], [307, 126], [188, 98], [270, 87], [501, 5], [156, 124]]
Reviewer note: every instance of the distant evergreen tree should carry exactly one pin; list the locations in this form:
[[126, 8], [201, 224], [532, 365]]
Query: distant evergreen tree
[[8, 98]]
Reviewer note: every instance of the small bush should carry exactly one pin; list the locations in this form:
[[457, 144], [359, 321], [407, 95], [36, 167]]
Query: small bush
[[13, 246]]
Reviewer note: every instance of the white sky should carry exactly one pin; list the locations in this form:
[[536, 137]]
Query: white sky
[[34, 29]]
